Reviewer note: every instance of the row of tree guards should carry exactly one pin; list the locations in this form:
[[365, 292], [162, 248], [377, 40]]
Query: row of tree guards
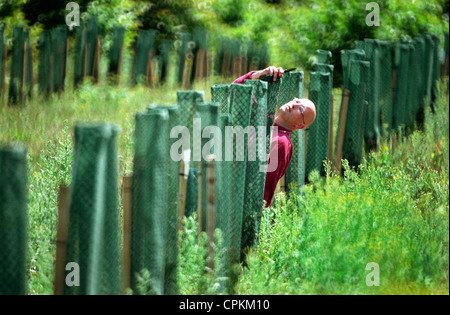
[[114, 236], [154, 59]]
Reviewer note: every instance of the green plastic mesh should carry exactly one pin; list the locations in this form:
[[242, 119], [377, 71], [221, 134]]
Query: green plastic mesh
[[13, 220], [240, 110], [385, 91], [317, 135], [401, 66], [19, 59], [352, 149], [223, 200], [208, 113], [372, 126], [171, 237], [220, 93], [45, 49], [295, 173], [323, 56], [2, 70], [52, 59], [85, 48], [144, 46], [347, 56], [94, 225], [115, 51], [150, 199], [187, 102], [255, 178], [273, 89], [164, 51], [419, 44]]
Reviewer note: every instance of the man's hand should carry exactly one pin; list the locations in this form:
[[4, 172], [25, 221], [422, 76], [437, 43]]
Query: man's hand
[[273, 71]]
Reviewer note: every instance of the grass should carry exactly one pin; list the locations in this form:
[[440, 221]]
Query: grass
[[392, 211]]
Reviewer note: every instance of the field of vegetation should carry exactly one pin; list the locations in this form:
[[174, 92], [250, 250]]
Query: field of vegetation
[[393, 210]]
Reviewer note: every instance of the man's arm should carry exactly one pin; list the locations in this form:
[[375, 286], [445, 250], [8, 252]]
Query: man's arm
[[254, 75]]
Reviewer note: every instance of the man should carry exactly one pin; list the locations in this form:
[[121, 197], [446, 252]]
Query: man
[[296, 114]]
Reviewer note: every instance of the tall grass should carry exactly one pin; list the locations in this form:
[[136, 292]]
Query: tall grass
[[393, 211]]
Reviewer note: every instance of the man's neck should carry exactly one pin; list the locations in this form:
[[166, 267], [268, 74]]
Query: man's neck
[[281, 123]]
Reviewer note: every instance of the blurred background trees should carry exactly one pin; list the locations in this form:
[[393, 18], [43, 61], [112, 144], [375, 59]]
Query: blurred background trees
[[293, 29]]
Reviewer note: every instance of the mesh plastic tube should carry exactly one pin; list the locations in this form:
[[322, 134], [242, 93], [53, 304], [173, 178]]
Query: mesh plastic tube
[[401, 62], [58, 57], [13, 220], [209, 115], [353, 136], [171, 237], [94, 226], [2, 70], [19, 55], [255, 177], [372, 121], [224, 197], [385, 92], [44, 62], [317, 135], [85, 47], [347, 56], [323, 56], [114, 54], [150, 199], [187, 102], [220, 93], [144, 46], [240, 106], [295, 173]]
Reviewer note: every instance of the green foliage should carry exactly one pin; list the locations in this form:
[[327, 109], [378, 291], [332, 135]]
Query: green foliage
[[195, 275]]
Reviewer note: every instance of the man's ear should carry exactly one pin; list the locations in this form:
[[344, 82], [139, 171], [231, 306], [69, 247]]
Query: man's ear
[[301, 126]]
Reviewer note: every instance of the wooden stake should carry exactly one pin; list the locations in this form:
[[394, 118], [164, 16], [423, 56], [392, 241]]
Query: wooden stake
[[283, 184], [211, 207], [342, 126], [127, 201], [187, 71], [199, 64], [61, 239]]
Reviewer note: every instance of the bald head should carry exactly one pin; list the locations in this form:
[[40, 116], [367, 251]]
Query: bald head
[[309, 111], [297, 114]]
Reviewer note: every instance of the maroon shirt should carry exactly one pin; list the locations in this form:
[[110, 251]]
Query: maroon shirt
[[282, 137], [283, 150]]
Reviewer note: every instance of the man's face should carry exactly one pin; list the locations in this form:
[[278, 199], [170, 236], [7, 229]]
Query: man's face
[[298, 113]]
